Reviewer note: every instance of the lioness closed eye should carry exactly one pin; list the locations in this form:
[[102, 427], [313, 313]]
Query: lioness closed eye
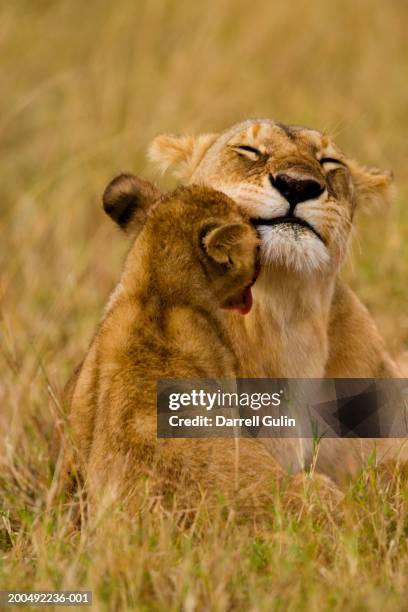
[[194, 254]]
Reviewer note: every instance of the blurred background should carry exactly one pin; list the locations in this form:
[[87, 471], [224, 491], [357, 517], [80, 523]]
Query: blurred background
[[86, 86]]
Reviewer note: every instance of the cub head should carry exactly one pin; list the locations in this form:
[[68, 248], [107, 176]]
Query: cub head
[[198, 244], [296, 185]]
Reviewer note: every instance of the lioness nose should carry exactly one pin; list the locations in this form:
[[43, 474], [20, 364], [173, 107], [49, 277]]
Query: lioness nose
[[296, 189]]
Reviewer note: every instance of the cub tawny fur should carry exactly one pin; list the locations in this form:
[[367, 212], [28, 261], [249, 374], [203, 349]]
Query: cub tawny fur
[[194, 253]]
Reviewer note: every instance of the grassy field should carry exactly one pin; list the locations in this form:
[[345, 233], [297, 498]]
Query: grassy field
[[84, 88]]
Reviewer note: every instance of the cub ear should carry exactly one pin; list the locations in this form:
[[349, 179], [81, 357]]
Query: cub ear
[[370, 184], [225, 242], [181, 153], [127, 200]]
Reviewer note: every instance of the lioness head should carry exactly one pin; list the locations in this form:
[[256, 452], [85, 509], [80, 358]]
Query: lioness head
[[194, 241], [296, 185]]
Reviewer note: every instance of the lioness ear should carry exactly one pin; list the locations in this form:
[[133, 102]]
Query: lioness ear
[[127, 200], [370, 184], [224, 242], [181, 153]]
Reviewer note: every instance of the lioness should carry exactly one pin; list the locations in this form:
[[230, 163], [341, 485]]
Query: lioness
[[194, 253], [301, 191]]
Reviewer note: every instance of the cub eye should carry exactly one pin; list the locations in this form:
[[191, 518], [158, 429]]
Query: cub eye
[[247, 151], [331, 160]]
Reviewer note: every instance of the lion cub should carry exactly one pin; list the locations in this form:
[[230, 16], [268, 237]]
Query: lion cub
[[194, 253]]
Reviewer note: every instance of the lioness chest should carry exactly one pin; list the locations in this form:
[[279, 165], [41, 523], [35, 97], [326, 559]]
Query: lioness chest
[[278, 340]]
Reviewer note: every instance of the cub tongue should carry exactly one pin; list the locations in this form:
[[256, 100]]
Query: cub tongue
[[241, 302], [246, 304]]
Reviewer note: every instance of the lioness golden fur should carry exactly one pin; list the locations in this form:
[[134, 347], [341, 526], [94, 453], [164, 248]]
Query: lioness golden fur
[[302, 192], [193, 251]]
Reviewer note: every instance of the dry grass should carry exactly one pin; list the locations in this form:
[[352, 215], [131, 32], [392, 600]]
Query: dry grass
[[84, 87]]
